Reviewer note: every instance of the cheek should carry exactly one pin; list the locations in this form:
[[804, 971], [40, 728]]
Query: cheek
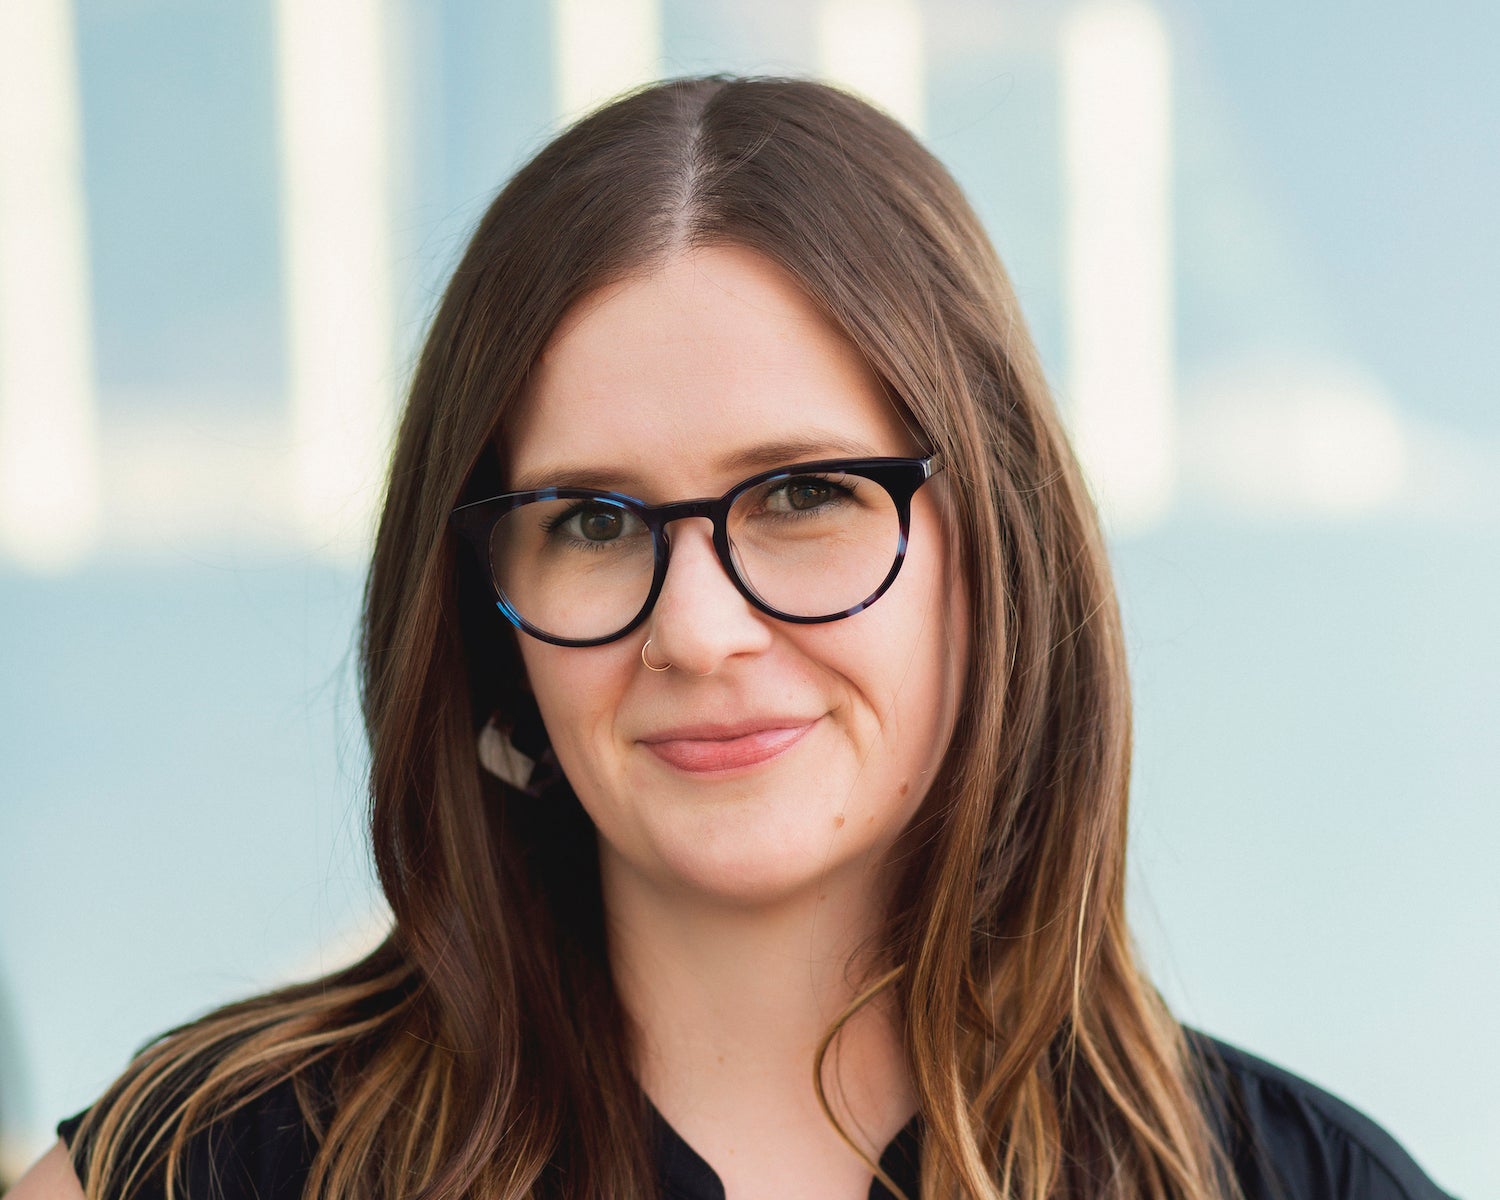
[[578, 693], [932, 662], [905, 660]]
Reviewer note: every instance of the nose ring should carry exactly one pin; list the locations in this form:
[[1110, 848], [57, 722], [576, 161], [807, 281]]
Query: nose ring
[[651, 666]]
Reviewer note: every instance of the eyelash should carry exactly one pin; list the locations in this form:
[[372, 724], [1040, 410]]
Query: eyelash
[[554, 527], [841, 490]]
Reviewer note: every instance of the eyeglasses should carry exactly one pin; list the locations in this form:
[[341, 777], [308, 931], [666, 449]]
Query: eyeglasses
[[808, 543]]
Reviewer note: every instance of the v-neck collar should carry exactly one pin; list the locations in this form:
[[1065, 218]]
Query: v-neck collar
[[683, 1174]]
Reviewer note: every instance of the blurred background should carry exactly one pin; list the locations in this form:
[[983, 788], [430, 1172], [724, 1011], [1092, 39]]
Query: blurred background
[[1256, 244]]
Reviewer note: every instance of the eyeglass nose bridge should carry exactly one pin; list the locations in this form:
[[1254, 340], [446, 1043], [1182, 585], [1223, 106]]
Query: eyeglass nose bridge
[[715, 510]]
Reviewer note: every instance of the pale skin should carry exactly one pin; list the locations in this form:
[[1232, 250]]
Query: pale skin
[[51, 1178], [737, 898]]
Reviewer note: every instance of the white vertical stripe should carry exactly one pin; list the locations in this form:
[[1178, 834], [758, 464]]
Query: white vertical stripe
[[602, 48], [875, 48], [49, 455], [336, 231], [1116, 107]]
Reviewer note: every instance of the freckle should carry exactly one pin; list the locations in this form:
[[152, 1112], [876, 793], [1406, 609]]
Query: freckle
[[721, 1060], [822, 895], [838, 821]]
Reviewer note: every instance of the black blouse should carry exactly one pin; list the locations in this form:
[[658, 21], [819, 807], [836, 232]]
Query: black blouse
[[1287, 1140]]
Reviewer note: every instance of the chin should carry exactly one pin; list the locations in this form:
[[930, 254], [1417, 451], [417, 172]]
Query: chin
[[782, 833], [759, 868]]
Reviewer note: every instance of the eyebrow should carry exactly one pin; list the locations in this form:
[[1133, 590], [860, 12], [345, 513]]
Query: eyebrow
[[762, 456]]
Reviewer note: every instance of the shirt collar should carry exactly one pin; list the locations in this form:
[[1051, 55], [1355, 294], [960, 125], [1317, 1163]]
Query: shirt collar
[[682, 1173]]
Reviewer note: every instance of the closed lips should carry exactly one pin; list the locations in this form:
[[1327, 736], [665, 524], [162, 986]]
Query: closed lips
[[708, 748]]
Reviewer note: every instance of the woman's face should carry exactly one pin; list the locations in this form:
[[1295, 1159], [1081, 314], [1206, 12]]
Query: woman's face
[[771, 758]]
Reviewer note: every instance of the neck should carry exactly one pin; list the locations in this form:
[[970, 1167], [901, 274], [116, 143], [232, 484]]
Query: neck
[[730, 1003]]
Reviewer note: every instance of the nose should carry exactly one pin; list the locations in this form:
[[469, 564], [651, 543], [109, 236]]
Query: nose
[[700, 619]]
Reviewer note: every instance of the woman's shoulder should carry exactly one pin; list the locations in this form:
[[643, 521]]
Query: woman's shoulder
[[261, 1149], [1289, 1139]]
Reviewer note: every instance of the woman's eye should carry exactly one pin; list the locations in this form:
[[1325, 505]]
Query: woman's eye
[[594, 524], [803, 495], [600, 524]]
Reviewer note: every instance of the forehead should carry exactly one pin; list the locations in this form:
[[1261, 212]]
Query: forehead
[[684, 378]]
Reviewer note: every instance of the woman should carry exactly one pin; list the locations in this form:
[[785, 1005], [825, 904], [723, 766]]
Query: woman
[[764, 845]]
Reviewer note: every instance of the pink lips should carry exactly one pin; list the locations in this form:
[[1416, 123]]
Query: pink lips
[[708, 749]]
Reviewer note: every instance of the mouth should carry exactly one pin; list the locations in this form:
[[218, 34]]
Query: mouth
[[711, 751]]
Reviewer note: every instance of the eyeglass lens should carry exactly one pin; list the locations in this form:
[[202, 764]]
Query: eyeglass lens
[[807, 545]]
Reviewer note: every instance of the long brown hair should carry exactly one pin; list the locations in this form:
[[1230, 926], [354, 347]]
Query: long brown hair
[[482, 1050]]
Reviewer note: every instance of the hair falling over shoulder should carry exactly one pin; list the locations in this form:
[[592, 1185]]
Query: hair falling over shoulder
[[482, 1051]]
